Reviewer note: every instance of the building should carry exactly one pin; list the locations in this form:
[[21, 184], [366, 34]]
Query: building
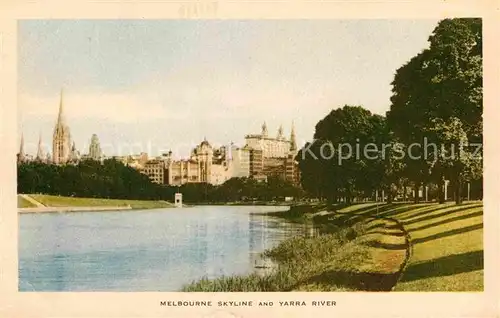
[[137, 161], [240, 162], [156, 171], [271, 147], [292, 171], [273, 156], [61, 142], [95, 152], [256, 162], [205, 165]]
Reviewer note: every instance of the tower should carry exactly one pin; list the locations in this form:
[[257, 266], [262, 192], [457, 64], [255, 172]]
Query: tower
[[74, 155], [20, 155], [61, 139], [39, 154], [280, 133], [264, 130], [95, 152], [293, 142], [205, 156]]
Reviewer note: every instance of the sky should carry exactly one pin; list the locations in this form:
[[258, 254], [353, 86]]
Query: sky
[[159, 85]]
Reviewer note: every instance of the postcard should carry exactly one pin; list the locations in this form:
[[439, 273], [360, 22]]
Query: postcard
[[208, 159]]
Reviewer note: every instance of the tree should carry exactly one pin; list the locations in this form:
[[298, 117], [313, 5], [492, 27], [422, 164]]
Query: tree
[[336, 164], [455, 160], [442, 82]]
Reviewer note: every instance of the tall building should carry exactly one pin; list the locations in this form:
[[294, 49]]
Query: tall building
[[256, 163], [292, 171], [273, 156], [61, 142], [95, 151], [240, 159]]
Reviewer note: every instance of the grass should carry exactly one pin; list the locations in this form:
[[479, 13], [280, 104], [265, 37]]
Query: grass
[[447, 244], [58, 201], [23, 203]]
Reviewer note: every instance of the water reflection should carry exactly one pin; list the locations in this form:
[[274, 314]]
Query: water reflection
[[156, 250]]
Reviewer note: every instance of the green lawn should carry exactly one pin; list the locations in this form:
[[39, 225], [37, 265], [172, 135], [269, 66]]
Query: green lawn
[[57, 201], [23, 203], [447, 244]]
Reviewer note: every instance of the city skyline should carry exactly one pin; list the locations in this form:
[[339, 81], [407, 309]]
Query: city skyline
[[172, 83]]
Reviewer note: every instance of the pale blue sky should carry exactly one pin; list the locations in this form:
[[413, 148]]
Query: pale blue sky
[[171, 83]]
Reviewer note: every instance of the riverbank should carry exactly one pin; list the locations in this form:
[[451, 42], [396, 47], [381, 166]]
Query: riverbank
[[345, 259], [38, 203], [373, 247]]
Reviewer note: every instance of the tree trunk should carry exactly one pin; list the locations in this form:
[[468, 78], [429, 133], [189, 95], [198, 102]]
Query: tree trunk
[[458, 191], [441, 186], [416, 199]]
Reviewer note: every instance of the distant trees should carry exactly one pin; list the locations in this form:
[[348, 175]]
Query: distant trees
[[112, 179], [430, 133]]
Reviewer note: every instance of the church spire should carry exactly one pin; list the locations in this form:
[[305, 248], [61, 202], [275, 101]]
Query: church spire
[[61, 147], [280, 132], [293, 142], [60, 116], [21, 149], [39, 153], [264, 129]]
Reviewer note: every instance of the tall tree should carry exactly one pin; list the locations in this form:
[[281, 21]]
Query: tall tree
[[442, 82]]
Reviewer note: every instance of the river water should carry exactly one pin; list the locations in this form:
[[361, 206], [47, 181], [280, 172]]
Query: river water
[[144, 250]]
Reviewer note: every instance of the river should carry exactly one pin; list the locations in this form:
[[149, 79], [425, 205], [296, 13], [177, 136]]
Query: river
[[144, 250]]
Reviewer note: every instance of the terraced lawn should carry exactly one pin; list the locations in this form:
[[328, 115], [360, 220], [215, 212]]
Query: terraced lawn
[[58, 201], [447, 243]]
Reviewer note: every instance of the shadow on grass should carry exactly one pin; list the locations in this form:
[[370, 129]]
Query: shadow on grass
[[448, 233], [359, 281], [423, 208], [382, 208], [445, 266], [450, 209], [435, 216], [453, 219]]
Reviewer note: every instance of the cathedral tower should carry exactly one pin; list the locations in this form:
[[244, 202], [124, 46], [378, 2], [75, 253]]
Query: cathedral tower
[[61, 143]]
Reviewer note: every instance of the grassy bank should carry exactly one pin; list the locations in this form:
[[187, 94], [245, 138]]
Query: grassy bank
[[58, 201]]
